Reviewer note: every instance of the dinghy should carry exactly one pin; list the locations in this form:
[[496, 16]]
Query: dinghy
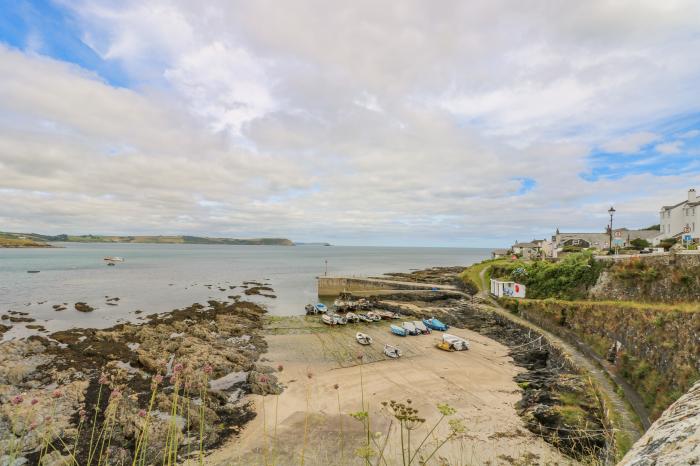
[[321, 308], [458, 343], [410, 328], [364, 318], [352, 317], [388, 315], [435, 324], [310, 309], [339, 320], [443, 345], [328, 320], [396, 330], [373, 316], [420, 326], [392, 351], [363, 338]]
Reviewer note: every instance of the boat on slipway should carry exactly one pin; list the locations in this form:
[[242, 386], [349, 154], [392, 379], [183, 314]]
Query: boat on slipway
[[363, 338], [396, 330], [392, 351], [435, 324]]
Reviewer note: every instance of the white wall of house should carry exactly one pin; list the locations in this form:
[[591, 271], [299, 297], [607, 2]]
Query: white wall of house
[[677, 218]]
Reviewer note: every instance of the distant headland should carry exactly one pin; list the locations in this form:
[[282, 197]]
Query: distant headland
[[34, 240]]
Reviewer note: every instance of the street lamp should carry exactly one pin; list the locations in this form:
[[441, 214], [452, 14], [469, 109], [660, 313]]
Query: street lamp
[[611, 211]]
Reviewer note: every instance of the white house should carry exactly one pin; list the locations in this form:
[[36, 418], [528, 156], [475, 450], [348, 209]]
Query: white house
[[501, 288], [681, 219]]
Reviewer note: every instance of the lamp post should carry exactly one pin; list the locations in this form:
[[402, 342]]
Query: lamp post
[[611, 211]]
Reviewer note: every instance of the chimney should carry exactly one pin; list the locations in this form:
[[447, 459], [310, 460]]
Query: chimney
[[691, 196]]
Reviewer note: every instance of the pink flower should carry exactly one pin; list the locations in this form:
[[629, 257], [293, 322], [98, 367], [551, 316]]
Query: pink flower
[[208, 369], [158, 378], [34, 401], [103, 379], [263, 379], [56, 394], [116, 393], [142, 413], [17, 399], [178, 368]]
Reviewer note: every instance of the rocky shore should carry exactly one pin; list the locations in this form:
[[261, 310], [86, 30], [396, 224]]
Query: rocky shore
[[172, 385]]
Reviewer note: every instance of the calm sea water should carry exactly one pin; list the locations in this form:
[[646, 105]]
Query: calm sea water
[[162, 277]]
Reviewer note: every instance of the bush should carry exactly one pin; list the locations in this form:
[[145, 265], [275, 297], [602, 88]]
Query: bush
[[639, 243], [569, 278]]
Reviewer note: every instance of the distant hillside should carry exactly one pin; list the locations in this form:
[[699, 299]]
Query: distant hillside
[[10, 240], [40, 240]]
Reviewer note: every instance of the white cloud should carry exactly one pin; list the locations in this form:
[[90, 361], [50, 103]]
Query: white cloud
[[630, 143], [404, 122], [673, 147]]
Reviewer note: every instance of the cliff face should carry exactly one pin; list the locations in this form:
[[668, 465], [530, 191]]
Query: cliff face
[[655, 348], [668, 278], [674, 438]]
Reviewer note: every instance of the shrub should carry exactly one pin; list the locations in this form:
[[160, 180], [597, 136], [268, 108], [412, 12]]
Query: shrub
[[639, 243]]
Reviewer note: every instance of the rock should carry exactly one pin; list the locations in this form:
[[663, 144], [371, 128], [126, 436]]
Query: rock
[[83, 307]]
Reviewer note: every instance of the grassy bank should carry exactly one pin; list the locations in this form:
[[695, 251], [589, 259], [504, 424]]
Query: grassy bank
[[653, 346]]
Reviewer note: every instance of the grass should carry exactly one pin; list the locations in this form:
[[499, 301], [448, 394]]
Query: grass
[[12, 242], [473, 272]]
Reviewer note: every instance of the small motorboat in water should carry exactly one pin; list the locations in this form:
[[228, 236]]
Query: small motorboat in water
[[420, 326], [458, 343], [396, 330], [363, 338], [114, 259], [410, 328], [435, 324], [392, 351], [352, 317]]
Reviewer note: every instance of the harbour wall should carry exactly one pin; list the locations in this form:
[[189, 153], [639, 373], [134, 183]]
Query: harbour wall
[[333, 286]]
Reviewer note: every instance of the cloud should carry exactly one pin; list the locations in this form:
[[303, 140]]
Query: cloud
[[466, 124], [673, 147], [630, 143]]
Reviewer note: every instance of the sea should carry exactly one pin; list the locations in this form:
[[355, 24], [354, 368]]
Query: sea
[[156, 278]]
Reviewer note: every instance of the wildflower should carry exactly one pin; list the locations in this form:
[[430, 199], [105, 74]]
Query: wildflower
[[457, 426], [445, 409], [280, 368], [82, 414], [116, 394], [34, 401], [178, 368], [158, 378], [263, 379], [56, 394], [33, 425], [103, 379], [17, 399], [336, 386], [208, 369], [142, 413], [48, 419]]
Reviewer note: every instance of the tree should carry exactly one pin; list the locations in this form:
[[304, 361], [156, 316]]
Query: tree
[[639, 243]]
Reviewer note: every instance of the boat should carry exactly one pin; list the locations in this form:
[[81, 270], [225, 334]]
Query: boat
[[339, 320], [458, 343], [392, 351], [443, 345], [320, 308], [344, 302], [352, 317], [364, 318], [328, 320], [33, 271], [410, 328], [310, 309], [396, 330], [387, 314], [435, 324], [420, 326], [363, 338], [111, 263], [114, 259], [374, 316]]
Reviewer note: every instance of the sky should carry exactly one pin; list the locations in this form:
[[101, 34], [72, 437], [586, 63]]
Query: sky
[[405, 123]]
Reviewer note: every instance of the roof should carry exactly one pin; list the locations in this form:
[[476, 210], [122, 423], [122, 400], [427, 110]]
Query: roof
[[527, 245]]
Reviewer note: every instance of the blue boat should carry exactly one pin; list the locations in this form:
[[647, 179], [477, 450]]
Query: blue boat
[[396, 330], [320, 308], [435, 324]]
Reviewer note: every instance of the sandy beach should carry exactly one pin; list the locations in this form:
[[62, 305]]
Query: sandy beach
[[478, 383]]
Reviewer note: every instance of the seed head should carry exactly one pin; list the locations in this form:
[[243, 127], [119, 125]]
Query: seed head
[[336, 386]]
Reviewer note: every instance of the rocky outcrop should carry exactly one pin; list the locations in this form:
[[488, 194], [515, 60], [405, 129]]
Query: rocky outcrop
[[669, 278], [674, 438]]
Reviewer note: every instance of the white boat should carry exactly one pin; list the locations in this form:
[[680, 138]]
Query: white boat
[[114, 259], [364, 318], [410, 328], [352, 317], [392, 351], [363, 338], [420, 326], [458, 343], [339, 320], [328, 320], [374, 316]]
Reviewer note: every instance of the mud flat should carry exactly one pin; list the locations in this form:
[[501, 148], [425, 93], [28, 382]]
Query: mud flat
[[326, 381]]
